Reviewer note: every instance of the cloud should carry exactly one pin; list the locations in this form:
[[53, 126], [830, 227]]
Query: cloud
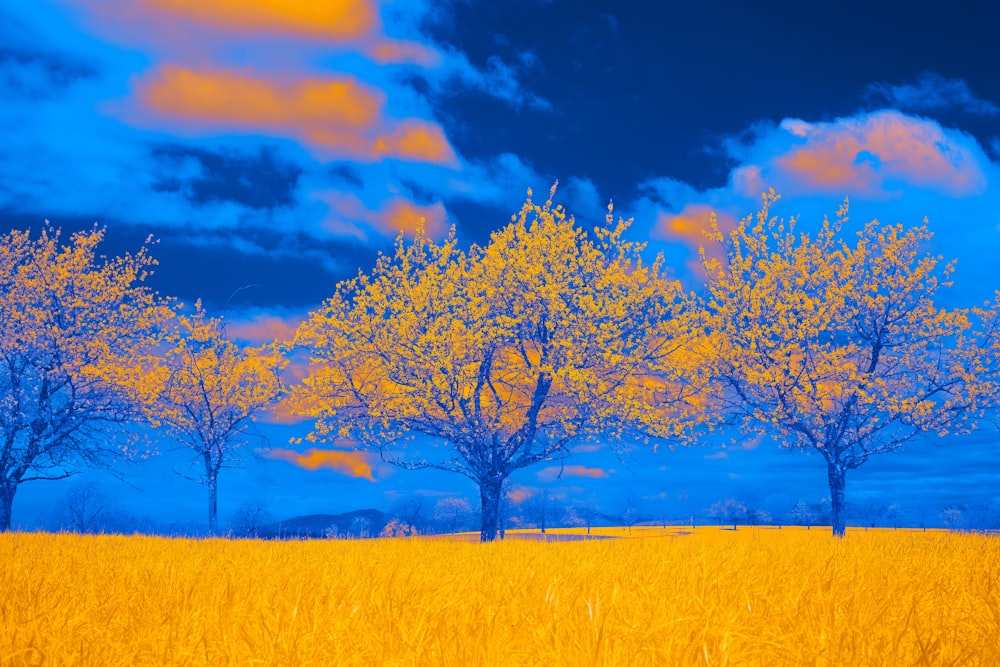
[[519, 494], [689, 228], [259, 327], [552, 473], [932, 92], [349, 216], [334, 116], [335, 19], [893, 166], [875, 154], [352, 464], [691, 224]]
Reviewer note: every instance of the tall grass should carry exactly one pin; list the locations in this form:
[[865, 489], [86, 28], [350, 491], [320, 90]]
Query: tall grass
[[749, 597]]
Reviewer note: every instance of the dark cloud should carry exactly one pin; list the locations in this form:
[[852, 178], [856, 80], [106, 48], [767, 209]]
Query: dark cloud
[[34, 74], [931, 92], [259, 181]]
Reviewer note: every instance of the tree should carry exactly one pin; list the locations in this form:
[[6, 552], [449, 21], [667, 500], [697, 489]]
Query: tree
[[803, 514], [729, 510], [484, 362], [892, 513], [250, 517], [409, 511], [68, 320], [539, 509], [953, 517], [836, 347], [207, 392], [584, 513], [630, 514], [398, 528], [452, 512], [85, 509]]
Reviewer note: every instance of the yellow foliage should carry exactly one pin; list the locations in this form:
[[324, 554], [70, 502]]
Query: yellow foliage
[[749, 597], [503, 353], [840, 346], [71, 323], [206, 391]]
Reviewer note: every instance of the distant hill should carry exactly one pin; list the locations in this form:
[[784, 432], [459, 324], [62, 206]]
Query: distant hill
[[359, 523]]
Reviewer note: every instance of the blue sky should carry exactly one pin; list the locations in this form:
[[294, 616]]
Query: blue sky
[[281, 145]]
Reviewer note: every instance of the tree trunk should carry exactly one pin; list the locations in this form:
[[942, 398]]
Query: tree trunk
[[213, 504], [837, 475], [489, 495], [6, 504]]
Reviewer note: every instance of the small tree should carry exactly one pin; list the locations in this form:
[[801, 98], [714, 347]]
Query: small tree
[[452, 512], [584, 513], [68, 321], [85, 509], [207, 392], [409, 511], [953, 517], [802, 514], [729, 510], [838, 347], [250, 517], [540, 509], [484, 362], [892, 514]]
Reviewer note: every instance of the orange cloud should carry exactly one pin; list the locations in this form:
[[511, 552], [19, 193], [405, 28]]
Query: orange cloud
[[689, 227], [554, 472], [418, 141], [353, 464], [263, 328], [337, 115], [396, 215], [335, 19], [857, 155], [388, 51], [519, 494], [402, 215]]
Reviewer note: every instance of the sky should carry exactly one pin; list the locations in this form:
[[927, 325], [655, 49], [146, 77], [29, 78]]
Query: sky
[[274, 147]]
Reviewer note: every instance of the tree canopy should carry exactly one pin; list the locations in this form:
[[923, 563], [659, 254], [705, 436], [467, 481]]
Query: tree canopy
[[206, 391], [69, 321], [495, 359], [835, 346]]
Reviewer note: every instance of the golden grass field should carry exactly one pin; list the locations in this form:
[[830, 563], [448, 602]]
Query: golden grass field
[[664, 597]]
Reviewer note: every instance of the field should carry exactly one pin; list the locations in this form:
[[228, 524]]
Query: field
[[662, 597]]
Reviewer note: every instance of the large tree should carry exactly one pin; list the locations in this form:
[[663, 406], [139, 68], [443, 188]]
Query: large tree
[[68, 320], [492, 360], [207, 391], [834, 346]]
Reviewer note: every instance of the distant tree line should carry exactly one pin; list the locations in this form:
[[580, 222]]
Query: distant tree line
[[491, 359]]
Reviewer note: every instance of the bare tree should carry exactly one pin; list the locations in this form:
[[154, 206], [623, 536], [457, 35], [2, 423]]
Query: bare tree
[[85, 509], [409, 511], [250, 517]]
